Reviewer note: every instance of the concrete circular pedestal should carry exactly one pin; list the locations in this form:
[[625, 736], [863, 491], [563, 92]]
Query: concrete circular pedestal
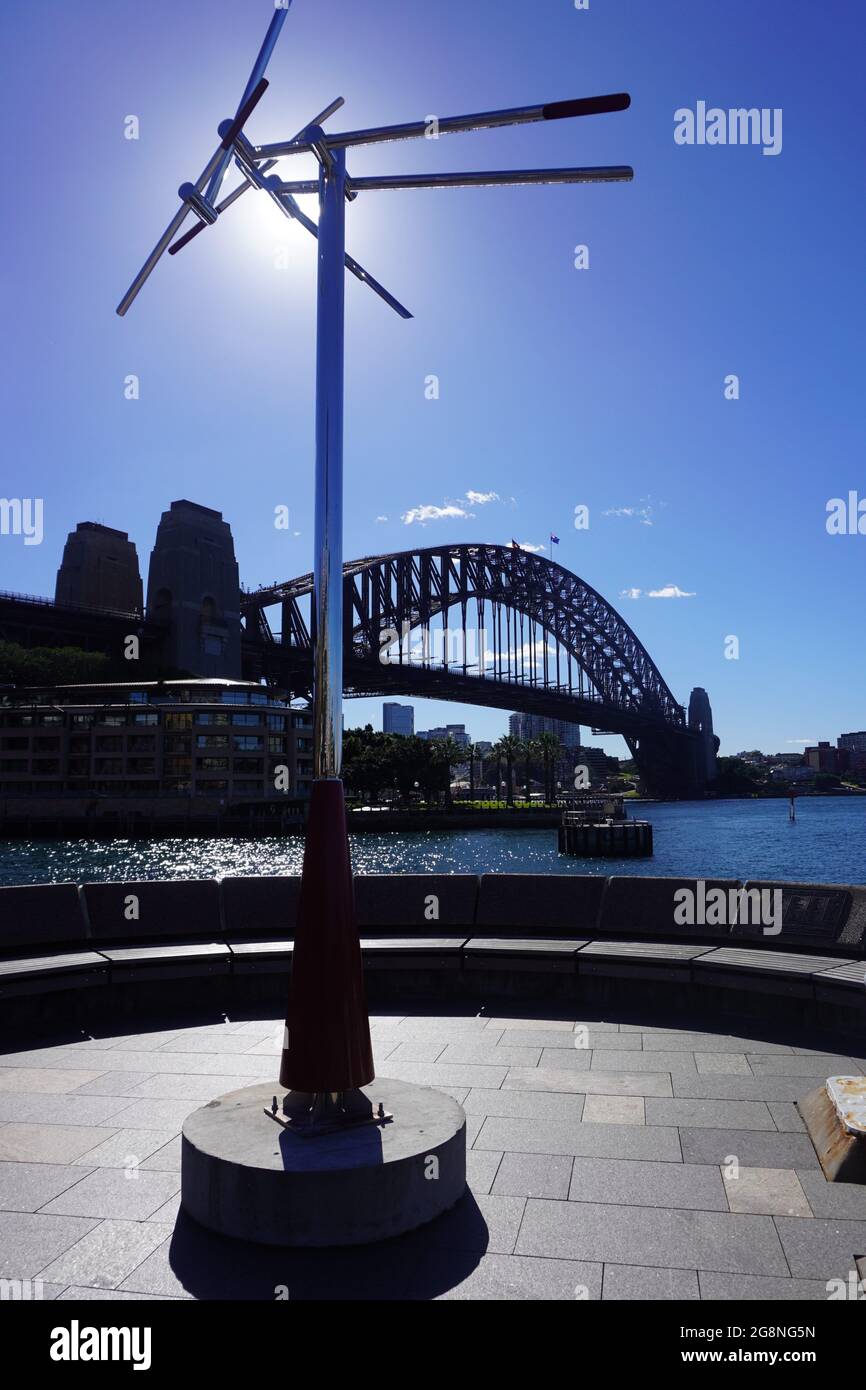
[[245, 1175]]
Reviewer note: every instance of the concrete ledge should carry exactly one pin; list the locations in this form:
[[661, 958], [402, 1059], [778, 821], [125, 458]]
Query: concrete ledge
[[402, 901], [260, 907], [164, 907], [634, 907], [825, 916], [41, 912], [540, 904]]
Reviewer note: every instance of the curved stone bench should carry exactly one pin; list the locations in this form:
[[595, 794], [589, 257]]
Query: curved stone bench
[[459, 933]]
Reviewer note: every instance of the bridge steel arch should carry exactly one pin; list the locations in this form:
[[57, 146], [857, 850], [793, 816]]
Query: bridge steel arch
[[546, 643]]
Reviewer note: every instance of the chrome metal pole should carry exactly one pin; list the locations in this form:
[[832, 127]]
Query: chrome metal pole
[[328, 574], [278, 19]]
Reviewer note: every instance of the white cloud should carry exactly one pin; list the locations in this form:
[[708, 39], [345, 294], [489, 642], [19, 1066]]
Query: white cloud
[[478, 499], [630, 593], [670, 591], [428, 512], [527, 545], [643, 514], [811, 742], [380, 519]]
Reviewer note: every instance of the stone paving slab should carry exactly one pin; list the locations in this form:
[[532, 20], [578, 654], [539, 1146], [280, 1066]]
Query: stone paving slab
[[29, 1143], [114, 1083], [561, 1137], [39, 1079], [807, 1066], [508, 1278], [786, 1117], [844, 1200], [767, 1191], [740, 1288], [636, 1282], [30, 1241], [107, 1254], [614, 1110], [497, 1054], [196, 1089], [111, 1193], [652, 1236], [683, 1062], [126, 1148], [28, 1186], [587, 1082], [518, 1105], [755, 1148], [821, 1248], [766, 1088], [59, 1109], [624, 1182], [709, 1114], [533, 1175], [481, 1169]]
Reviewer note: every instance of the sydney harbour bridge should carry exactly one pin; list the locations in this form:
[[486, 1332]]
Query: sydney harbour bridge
[[488, 625]]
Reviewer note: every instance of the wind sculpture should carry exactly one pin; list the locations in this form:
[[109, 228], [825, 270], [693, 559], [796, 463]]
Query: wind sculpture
[[327, 1053]]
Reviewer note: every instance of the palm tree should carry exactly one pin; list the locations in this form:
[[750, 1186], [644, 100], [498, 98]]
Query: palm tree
[[549, 747], [498, 752], [531, 750], [511, 748], [448, 752], [474, 752]]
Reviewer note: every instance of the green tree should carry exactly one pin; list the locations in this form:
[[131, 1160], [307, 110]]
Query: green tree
[[549, 745], [511, 748]]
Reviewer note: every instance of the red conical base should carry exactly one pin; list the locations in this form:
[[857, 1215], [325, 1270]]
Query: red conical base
[[328, 1044]]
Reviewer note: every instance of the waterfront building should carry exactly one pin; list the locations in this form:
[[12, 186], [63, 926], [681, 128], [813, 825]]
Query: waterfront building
[[397, 718], [455, 731], [855, 742], [823, 757], [529, 726], [197, 738], [99, 569]]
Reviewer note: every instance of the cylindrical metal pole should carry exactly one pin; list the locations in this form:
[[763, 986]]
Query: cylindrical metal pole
[[328, 579]]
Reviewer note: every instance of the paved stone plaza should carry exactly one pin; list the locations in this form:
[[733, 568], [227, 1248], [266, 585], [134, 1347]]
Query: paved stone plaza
[[600, 1156]]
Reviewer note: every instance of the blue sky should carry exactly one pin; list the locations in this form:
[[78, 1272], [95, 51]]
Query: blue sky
[[558, 387]]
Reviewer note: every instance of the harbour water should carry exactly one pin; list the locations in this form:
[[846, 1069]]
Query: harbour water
[[727, 839]]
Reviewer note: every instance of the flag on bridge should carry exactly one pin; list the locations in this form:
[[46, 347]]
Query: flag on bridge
[[554, 539]]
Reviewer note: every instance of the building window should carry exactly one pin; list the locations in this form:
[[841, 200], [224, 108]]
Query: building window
[[276, 721], [234, 697], [109, 744], [259, 697], [178, 767], [217, 717], [211, 741], [178, 721], [82, 721], [212, 764], [105, 767], [248, 743], [138, 697], [276, 745], [241, 788], [141, 765], [53, 720], [149, 718], [144, 743], [49, 744], [9, 744], [248, 765], [247, 721]]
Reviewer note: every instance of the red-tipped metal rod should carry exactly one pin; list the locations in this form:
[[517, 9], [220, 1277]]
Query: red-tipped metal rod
[[452, 125]]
